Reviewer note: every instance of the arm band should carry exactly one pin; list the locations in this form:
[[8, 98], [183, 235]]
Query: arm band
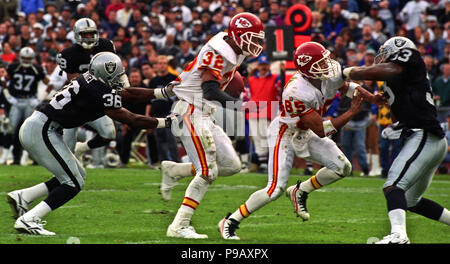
[[161, 122], [212, 92], [351, 91], [159, 93], [328, 128], [346, 71]]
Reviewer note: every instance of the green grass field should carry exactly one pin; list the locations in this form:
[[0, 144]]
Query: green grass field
[[123, 206]]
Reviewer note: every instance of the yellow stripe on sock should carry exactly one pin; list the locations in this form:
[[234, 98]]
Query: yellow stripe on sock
[[189, 202], [244, 211], [315, 183]]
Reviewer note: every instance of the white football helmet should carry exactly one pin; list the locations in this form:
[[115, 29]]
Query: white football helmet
[[107, 67], [26, 56], [83, 26], [392, 46]]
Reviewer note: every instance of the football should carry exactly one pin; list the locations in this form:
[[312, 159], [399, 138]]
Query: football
[[236, 85]]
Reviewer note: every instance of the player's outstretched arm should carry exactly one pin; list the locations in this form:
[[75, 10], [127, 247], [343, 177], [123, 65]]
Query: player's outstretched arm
[[135, 94], [377, 72], [138, 94], [350, 89], [138, 121], [325, 128]]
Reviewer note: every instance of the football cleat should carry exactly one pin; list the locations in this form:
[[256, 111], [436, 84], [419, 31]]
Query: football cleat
[[298, 199], [34, 226], [187, 232], [227, 228], [394, 238], [17, 203], [168, 180]]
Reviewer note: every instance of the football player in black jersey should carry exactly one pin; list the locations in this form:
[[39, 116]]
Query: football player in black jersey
[[75, 60], [87, 97], [409, 95], [21, 91], [5, 135]]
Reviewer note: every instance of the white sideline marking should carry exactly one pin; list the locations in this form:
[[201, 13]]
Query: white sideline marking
[[350, 189], [318, 221], [71, 206], [374, 190], [149, 242], [218, 187], [278, 223], [215, 187], [109, 190]]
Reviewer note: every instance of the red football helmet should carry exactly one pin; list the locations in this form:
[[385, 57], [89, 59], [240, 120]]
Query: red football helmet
[[313, 61], [247, 31]]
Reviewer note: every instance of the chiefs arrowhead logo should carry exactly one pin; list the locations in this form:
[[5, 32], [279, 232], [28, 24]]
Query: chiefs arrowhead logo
[[243, 23], [302, 60]]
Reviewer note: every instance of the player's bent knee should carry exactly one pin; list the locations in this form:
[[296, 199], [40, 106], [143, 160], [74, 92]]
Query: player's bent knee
[[345, 169], [77, 184], [230, 169], [211, 173], [276, 193], [411, 202]]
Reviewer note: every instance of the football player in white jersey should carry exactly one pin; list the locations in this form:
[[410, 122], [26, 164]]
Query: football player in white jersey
[[300, 131], [209, 148]]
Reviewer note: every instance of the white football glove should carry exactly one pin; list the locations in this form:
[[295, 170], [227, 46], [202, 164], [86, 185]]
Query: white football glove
[[346, 71], [169, 88], [124, 82], [167, 91]]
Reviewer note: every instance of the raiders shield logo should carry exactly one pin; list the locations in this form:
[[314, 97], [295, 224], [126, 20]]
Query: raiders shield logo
[[110, 67], [243, 23], [399, 42], [302, 60]]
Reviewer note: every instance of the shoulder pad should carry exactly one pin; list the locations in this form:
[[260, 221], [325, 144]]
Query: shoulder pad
[[220, 46]]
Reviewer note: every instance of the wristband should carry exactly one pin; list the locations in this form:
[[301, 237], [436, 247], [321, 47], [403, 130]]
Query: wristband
[[347, 71], [124, 81], [160, 93], [351, 91], [161, 122], [328, 128]]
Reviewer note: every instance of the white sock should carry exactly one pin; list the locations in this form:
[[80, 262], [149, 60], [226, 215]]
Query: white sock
[[4, 152], [244, 158], [83, 147], [398, 221], [445, 217], [193, 196], [34, 192], [257, 200], [40, 210], [183, 217], [182, 169], [322, 178]]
